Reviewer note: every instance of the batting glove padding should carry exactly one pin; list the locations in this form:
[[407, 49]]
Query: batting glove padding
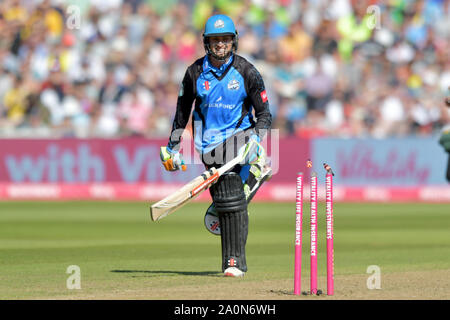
[[171, 160], [254, 151]]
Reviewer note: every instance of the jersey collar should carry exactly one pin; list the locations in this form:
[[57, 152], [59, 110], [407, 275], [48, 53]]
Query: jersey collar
[[207, 66]]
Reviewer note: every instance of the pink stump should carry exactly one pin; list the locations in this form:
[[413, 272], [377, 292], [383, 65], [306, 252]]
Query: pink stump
[[330, 236], [298, 235], [313, 198]]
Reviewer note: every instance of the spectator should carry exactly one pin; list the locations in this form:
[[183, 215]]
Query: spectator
[[15, 101], [134, 112], [319, 89], [296, 45]]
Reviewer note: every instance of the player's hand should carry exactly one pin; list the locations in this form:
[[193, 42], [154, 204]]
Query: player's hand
[[254, 150], [171, 160]]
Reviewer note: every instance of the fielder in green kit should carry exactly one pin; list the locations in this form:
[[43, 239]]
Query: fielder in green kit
[[445, 139]]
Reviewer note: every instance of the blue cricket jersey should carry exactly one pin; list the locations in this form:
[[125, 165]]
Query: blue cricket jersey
[[224, 100]]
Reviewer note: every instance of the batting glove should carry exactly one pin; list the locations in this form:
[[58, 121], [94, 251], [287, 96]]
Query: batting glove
[[171, 160], [255, 152]]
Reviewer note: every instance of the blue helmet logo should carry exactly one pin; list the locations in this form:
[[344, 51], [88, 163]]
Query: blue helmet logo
[[219, 24]]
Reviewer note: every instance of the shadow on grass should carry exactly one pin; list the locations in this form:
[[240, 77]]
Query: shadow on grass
[[155, 273]]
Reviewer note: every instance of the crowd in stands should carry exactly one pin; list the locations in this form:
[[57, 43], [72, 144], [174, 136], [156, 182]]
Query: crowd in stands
[[339, 68]]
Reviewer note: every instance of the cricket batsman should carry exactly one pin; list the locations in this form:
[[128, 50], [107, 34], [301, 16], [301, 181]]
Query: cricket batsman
[[226, 89]]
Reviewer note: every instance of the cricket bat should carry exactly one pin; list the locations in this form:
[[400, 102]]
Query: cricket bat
[[192, 189]]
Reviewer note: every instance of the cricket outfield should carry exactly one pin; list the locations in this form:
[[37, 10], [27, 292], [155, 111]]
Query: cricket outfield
[[122, 254]]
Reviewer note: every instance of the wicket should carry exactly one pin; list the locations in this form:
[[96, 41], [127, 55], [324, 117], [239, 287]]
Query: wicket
[[330, 231], [298, 234], [313, 232]]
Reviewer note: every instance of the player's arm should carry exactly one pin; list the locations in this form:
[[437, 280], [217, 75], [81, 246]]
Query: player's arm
[[170, 156], [258, 96], [184, 107], [256, 91]]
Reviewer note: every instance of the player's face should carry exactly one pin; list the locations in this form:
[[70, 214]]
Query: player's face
[[221, 45]]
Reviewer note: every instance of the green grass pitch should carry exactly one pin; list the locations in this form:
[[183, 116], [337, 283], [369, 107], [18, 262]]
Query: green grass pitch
[[119, 249]]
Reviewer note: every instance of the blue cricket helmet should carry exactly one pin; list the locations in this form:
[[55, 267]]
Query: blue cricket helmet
[[219, 25]]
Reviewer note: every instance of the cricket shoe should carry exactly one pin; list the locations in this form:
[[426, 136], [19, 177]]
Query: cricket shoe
[[233, 272]]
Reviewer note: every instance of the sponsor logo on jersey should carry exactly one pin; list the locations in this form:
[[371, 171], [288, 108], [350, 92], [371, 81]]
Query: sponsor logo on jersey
[[206, 85], [264, 96], [220, 105], [233, 85]]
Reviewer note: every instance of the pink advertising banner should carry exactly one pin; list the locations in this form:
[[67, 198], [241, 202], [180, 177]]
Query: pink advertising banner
[[130, 169], [85, 161], [74, 161]]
